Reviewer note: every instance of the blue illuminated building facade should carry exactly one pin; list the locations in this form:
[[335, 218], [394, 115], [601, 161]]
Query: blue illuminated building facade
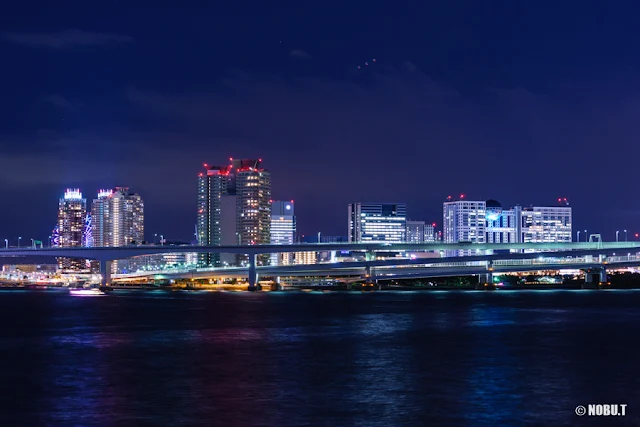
[[503, 225]]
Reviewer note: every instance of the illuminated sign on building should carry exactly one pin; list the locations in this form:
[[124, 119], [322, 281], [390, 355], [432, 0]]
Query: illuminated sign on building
[[72, 194]]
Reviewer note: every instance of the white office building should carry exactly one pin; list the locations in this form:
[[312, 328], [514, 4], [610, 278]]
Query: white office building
[[430, 235], [546, 224], [283, 230], [464, 221], [488, 222]]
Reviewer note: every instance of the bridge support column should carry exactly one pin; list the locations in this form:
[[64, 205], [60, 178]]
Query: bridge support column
[[603, 275], [105, 273], [370, 277], [277, 285], [489, 275], [253, 274]]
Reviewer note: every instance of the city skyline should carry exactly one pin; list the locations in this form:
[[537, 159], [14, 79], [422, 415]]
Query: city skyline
[[512, 216], [319, 213]]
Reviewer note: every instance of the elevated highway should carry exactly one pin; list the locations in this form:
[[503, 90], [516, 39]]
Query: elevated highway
[[484, 260]]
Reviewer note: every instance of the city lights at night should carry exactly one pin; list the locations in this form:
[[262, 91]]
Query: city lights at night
[[319, 214]]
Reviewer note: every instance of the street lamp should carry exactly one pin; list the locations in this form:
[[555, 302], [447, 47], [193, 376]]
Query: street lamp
[[625, 235], [33, 243], [49, 241], [19, 238], [586, 236], [162, 240], [6, 243], [155, 238], [578, 239], [617, 232]]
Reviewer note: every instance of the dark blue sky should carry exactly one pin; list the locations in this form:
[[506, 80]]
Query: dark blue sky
[[521, 101]]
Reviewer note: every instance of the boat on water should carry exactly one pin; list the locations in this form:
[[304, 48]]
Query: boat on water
[[86, 292]]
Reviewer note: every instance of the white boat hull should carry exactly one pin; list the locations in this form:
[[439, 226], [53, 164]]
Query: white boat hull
[[86, 292]]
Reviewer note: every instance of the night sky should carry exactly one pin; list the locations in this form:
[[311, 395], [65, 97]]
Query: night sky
[[518, 101]]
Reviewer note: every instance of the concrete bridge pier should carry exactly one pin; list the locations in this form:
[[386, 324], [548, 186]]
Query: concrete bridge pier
[[253, 274], [596, 276], [370, 277], [105, 273], [488, 276], [603, 275], [277, 286]]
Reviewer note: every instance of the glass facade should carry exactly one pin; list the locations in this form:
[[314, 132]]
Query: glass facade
[[377, 222]]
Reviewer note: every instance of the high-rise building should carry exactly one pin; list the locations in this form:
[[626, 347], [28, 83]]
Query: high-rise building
[[283, 230], [463, 221], [430, 233], [415, 232], [488, 222], [72, 212], [503, 225], [377, 222], [234, 208], [546, 224], [118, 218], [420, 232]]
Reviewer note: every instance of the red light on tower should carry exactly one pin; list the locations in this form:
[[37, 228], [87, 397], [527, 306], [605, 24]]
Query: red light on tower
[[559, 199], [462, 196], [433, 225], [292, 201], [260, 160], [448, 197]]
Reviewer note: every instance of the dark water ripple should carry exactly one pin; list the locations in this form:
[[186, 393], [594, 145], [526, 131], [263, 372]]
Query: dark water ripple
[[318, 359]]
